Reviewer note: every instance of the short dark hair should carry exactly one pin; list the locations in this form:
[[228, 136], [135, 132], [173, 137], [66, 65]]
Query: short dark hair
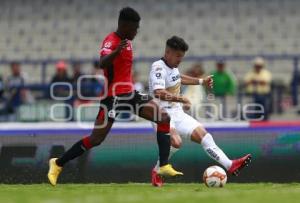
[[177, 43], [129, 14]]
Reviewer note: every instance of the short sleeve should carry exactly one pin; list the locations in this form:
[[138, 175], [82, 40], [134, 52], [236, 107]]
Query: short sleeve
[[107, 47], [158, 77]]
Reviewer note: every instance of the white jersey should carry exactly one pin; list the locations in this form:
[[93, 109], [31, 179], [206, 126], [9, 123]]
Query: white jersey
[[164, 77]]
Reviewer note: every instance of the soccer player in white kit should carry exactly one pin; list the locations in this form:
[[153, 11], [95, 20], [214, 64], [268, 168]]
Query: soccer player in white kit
[[164, 84]]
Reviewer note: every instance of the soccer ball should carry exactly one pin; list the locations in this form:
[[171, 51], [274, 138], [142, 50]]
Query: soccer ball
[[214, 176]]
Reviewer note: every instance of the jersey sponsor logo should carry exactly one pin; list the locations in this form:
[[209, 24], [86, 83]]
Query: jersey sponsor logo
[[174, 78], [158, 69]]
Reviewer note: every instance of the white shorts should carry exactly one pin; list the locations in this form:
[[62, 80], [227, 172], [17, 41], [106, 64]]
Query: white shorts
[[182, 122]]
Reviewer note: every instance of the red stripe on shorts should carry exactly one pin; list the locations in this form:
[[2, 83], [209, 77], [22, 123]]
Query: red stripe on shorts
[[163, 127]]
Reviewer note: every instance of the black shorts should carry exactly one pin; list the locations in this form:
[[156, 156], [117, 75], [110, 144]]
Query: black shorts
[[111, 107]]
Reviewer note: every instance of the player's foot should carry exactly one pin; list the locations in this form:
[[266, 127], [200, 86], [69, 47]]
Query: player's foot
[[54, 171], [156, 179], [239, 164], [168, 170]]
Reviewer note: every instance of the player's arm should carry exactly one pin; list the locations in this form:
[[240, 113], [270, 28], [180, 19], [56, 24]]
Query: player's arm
[[108, 55], [158, 78], [207, 81], [187, 80], [165, 95]]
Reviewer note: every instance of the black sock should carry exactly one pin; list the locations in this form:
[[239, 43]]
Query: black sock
[[164, 143], [75, 151]]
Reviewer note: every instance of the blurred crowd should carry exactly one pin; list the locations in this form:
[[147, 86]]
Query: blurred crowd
[[14, 91], [256, 85]]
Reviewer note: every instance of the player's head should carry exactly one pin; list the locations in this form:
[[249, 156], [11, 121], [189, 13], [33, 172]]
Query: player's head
[[128, 23], [175, 51]]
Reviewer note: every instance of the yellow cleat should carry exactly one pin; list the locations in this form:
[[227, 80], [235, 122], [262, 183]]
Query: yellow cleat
[[54, 171], [168, 170]]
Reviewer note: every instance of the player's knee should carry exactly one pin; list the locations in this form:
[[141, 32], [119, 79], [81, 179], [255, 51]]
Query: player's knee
[[176, 143], [95, 141], [198, 134]]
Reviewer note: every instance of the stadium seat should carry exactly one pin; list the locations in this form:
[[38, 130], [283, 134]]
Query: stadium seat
[[30, 30]]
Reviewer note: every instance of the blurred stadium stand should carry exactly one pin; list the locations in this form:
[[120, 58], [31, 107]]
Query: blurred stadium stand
[[37, 31], [42, 29]]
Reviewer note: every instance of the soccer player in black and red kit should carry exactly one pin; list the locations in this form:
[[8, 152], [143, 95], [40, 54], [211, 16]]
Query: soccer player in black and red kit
[[116, 59]]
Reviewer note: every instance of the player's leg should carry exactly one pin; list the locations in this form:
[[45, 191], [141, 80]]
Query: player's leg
[[176, 142], [175, 145], [152, 112], [201, 136], [101, 128], [96, 138]]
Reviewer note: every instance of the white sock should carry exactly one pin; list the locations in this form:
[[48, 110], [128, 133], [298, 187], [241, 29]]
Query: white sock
[[173, 150], [214, 151]]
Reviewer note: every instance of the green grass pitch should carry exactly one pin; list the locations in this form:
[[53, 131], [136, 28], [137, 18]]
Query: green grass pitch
[[145, 193]]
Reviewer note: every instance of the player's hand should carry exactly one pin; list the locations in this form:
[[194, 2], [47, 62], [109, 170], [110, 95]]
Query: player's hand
[[186, 104], [122, 45], [209, 81]]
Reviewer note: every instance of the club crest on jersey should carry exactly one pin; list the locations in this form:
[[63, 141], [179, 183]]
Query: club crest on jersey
[[158, 75], [107, 44]]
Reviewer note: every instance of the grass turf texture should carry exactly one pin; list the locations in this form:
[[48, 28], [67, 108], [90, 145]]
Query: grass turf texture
[[145, 193]]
